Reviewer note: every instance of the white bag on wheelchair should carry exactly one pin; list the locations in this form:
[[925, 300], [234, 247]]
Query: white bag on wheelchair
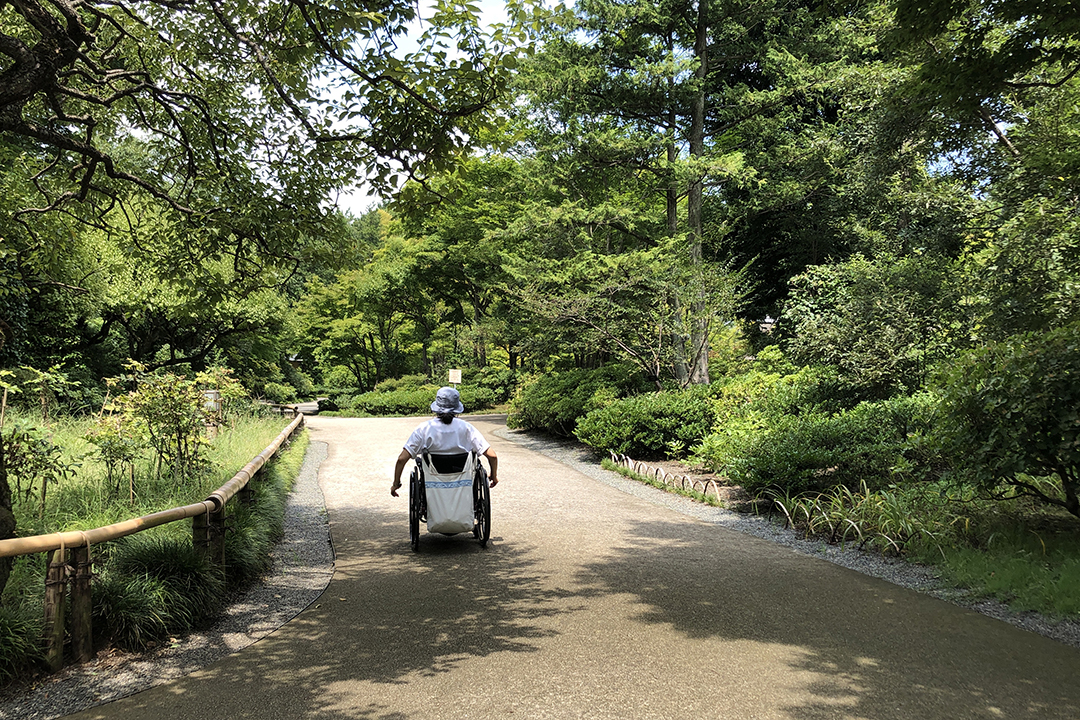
[[450, 498]]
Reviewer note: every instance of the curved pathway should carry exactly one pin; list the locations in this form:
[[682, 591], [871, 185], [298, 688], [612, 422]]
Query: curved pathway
[[593, 604]]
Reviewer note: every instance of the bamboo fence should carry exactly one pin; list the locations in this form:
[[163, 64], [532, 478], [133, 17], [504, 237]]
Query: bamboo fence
[[70, 560]]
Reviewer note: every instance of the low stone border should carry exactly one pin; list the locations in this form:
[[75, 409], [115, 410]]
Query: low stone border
[[708, 487]]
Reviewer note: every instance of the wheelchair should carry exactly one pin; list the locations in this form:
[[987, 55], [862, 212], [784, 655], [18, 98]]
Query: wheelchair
[[450, 493]]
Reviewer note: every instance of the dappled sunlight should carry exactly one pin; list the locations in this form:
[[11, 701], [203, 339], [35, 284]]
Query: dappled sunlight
[[857, 647]]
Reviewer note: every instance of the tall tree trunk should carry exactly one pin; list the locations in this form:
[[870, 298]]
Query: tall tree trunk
[[678, 330], [699, 333]]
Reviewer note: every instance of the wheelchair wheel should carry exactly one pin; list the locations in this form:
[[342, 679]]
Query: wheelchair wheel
[[482, 507], [416, 509]]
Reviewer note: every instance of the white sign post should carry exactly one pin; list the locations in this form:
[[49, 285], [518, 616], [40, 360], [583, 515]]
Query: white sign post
[[455, 377]]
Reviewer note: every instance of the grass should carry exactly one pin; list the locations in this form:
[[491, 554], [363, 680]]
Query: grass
[[88, 500], [1021, 554], [151, 584]]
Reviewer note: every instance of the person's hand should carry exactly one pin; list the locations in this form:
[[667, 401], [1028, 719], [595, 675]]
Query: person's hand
[[493, 481], [394, 488]]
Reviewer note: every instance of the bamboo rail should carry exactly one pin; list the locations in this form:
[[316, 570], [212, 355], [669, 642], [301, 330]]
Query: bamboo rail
[[208, 534]]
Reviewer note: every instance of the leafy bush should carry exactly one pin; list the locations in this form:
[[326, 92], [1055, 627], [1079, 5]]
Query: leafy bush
[[554, 401], [883, 322], [405, 382], [1011, 410], [662, 424], [402, 399], [873, 443], [279, 392], [501, 382]]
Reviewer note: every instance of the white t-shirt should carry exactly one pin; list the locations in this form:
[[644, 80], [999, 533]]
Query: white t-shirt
[[440, 438]]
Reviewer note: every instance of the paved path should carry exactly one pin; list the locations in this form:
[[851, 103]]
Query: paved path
[[593, 604]]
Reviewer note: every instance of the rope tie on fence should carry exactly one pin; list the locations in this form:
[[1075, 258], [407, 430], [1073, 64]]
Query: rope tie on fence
[[62, 580]]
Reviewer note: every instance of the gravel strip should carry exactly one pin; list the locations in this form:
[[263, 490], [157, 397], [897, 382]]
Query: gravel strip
[[303, 563], [899, 572]]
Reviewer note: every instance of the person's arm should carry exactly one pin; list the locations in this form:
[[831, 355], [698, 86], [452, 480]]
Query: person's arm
[[402, 459], [493, 463]]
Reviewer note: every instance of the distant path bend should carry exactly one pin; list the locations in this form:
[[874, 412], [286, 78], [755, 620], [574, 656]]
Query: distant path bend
[[590, 603]]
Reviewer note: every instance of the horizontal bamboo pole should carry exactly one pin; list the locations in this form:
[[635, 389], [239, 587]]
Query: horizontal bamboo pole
[[77, 538]]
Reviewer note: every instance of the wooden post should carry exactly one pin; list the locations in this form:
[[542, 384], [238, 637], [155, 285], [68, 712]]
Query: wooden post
[[246, 493], [200, 534], [82, 630], [55, 590], [217, 537]]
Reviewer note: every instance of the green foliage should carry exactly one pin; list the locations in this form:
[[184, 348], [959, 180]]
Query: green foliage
[[1023, 556], [20, 644], [405, 400], [1011, 410], [883, 323], [171, 410], [279, 392], [153, 586], [500, 382], [873, 443], [652, 425], [554, 401], [232, 394], [34, 462], [256, 527], [886, 519]]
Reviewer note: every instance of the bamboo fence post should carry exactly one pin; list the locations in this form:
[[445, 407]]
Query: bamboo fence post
[[55, 590], [246, 494], [217, 536], [82, 631], [200, 533]]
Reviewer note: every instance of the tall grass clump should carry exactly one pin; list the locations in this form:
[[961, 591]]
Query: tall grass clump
[[20, 639], [152, 586]]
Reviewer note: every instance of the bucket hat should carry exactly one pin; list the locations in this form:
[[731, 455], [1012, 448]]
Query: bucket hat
[[447, 401]]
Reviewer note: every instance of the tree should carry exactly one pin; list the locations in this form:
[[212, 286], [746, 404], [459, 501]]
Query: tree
[[884, 323], [1009, 417], [230, 123]]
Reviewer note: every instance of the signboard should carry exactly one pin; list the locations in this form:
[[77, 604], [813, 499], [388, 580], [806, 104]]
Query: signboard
[[455, 377]]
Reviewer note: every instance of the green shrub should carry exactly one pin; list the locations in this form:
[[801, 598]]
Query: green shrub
[[403, 396], [749, 404], [662, 424], [500, 382], [403, 401], [554, 401], [873, 443], [405, 382], [279, 392], [1011, 411]]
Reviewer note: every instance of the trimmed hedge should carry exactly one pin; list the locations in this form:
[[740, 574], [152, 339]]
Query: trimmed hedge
[[554, 401], [873, 443], [416, 401], [654, 425]]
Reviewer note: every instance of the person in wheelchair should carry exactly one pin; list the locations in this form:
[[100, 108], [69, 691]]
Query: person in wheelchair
[[445, 434]]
